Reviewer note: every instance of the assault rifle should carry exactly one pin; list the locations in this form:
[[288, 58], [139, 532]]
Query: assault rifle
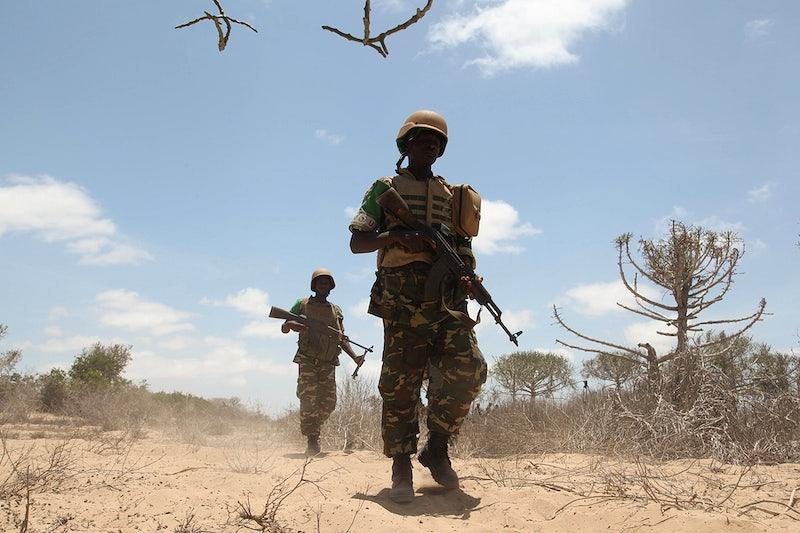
[[447, 259], [317, 325]]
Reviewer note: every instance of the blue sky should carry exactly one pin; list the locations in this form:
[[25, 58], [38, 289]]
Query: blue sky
[[156, 192]]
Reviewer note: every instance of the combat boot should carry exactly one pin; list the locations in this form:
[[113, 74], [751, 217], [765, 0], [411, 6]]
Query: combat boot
[[313, 445], [434, 457], [402, 490]]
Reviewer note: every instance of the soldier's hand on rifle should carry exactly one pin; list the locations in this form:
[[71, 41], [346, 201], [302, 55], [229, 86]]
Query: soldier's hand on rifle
[[414, 241], [466, 284], [292, 325], [358, 360]]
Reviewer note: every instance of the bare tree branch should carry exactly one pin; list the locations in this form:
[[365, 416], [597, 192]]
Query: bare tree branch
[[584, 337], [647, 312], [222, 36], [379, 42], [628, 286]]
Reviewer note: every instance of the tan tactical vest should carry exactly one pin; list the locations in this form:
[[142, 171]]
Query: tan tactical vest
[[315, 344], [431, 201]]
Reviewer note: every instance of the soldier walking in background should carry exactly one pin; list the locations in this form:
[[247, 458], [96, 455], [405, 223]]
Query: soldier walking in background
[[418, 330], [318, 356]]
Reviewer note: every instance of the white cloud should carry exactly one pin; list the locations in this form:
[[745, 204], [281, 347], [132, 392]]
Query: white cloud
[[56, 313], [526, 33], [181, 342], [359, 310], [757, 245], [329, 137], [758, 29], [500, 229], [125, 309], [598, 299], [711, 223], [366, 272], [350, 212], [560, 351], [72, 344], [392, 5], [56, 211], [715, 223], [220, 358], [249, 301], [53, 331], [268, 328], [640, 332], [515, 320], [760, 194]]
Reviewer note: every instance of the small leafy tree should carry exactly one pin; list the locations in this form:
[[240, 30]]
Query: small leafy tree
[[53, 390], [10, 358], [101, 365], [618, 369], [772, 372], [532, 373]]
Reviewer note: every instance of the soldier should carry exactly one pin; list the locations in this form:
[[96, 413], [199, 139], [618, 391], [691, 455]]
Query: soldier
[[419, 332], [317, 357]]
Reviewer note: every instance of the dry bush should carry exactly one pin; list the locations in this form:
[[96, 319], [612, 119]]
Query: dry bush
[[18, 399], [35, 468], [242, 515], [188, 525], [721, 423], [25, 470], [513, 428], [356, 422], [112, 407], [250, 458], [193, 419], [697, 485], [743, 424]]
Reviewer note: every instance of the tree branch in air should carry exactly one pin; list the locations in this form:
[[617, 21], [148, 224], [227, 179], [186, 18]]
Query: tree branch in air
[[379, 42], [218, 21]]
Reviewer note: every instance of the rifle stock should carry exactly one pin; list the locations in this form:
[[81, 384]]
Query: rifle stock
[[277, 312]]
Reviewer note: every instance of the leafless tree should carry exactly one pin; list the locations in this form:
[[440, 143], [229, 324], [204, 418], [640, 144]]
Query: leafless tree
[[696, 268], [378, 42], [218, 21]]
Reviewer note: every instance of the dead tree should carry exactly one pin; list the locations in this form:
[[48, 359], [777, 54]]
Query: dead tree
[[378, 42], [696, 268], [218, 21]]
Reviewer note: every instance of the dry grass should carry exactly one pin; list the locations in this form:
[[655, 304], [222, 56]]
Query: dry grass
[[267, 520], [720, 434]]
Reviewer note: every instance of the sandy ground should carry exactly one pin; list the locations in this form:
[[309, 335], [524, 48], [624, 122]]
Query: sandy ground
[[101, 482]]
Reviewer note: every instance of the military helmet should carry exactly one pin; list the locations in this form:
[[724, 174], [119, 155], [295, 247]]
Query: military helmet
[[422, 119], [319, 273]]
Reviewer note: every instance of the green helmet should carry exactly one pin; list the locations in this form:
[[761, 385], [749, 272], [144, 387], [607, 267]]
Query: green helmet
[[422, 119]]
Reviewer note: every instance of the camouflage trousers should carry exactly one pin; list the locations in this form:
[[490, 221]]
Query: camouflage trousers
[[316, 389], [456, 362]]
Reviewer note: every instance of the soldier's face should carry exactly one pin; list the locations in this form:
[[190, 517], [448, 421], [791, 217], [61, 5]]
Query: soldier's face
[[424, 148], [323, 285]]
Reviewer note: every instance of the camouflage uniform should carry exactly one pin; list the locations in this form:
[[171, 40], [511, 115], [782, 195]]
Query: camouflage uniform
[[317, 358], [418, 333]]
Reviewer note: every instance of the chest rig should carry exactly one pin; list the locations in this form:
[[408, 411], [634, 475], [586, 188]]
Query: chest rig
[[430, 201], [313, 342]]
